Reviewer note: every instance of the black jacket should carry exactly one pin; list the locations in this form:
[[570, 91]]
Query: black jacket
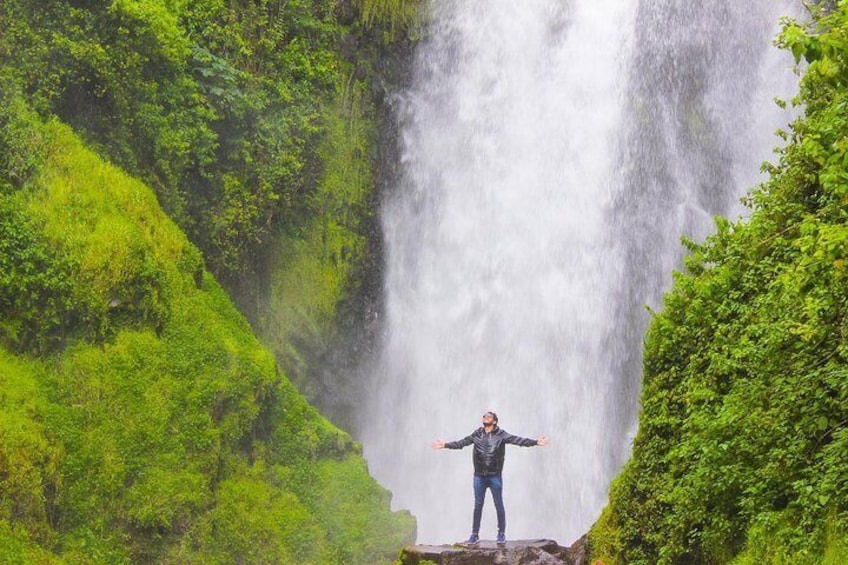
[[489, 449]]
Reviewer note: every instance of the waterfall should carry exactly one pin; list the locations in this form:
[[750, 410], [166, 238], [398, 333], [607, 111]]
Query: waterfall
[[553, 152]]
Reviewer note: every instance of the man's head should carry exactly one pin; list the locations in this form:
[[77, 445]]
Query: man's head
[[490, 419]]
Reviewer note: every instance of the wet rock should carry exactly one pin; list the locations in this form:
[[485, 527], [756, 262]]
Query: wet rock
[[516, 552], [345, 12], [579, 551], [348, 47]]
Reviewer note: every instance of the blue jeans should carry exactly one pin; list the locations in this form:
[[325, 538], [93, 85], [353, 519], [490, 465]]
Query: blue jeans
[[495, 483]]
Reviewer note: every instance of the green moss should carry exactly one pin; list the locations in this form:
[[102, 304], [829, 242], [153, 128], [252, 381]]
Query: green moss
[[835, 543], [604, 544], [254, 521], [311, 272], [336, 491], [17, 548], [22, 142], [396, 15], [28, 457], [769, 541], [112, 229]]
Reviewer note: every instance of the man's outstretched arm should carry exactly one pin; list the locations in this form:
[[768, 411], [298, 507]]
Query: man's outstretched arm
[[541, 441], [459, 444]]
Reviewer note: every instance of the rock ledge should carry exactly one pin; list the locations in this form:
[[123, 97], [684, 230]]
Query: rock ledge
[[515, 552]]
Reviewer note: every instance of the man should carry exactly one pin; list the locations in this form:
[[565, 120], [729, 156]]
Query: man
[[489, 449]]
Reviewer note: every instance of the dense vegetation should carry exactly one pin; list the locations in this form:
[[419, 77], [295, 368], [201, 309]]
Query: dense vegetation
[[215, 106], [140, 419], [742, 451], [254, 123]]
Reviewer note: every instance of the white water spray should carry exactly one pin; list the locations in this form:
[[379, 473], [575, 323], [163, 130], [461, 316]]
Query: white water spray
[[553, 153]]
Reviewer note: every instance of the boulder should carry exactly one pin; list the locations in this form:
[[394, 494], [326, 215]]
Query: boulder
[[515, 552]]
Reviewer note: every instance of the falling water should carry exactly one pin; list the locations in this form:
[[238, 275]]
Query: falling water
[[553, 153]]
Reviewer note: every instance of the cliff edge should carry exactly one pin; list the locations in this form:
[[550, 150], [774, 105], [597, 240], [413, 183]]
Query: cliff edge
[[515, 552]]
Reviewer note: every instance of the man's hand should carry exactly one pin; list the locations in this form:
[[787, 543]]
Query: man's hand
[[542, 441], [438, 444]]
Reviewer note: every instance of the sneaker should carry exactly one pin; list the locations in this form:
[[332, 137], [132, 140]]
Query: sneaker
[[473, 539], [501, 538]]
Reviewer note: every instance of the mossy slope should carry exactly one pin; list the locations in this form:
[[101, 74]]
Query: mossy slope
[[141, 419]]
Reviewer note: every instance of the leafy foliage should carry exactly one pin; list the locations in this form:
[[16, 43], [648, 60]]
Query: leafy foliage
[[740, 454], [35, 293], [219, 108]]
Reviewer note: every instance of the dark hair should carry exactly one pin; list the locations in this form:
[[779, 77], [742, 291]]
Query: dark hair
[[493, 415]]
